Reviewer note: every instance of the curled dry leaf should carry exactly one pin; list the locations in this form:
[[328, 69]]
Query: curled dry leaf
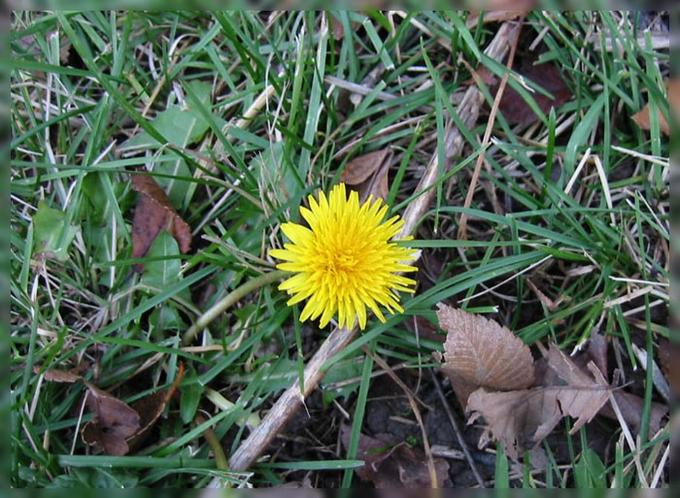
[[114, 421], [513, 106], [151, 407], [631, 407], [154, 213], [521, 419], [479, 352], [61, 376], [116, 427], [367, 174], [390, 464], [643, 118]]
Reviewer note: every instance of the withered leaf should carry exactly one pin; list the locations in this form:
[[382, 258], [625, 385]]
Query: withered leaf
[[668, 352], [390, 464], [151, 407], [360, 168], [367, 174], [581, 396], [643, 118], [116, 428], [523, 418], [631, 407], [62, 376], [513, 106], [114, 421], [154, 213], [479, 352]]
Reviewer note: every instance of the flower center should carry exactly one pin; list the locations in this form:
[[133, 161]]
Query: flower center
[[340, 262]]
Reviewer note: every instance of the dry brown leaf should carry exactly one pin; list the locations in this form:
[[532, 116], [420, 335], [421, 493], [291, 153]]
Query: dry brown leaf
[[114, 421], [151, 407], [513, 106], [154, 213], [62, 376], [388, 464], [597, 351], [116, 428], [668, 352], [631, 406], [479, 352], [581, 397], [523, 418], [359, 169], [642, 118]]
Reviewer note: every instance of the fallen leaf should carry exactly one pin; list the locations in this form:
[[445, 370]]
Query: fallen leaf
[[643, 119], [479, 352], [62, 376], [521, 419], [367, 174], [631, 406], [597, 351], [151, 407], [667, 352], [581, 397], [154, 213], [513, 106], [116, 427], [359, 169], [114, 421], [390, 464]]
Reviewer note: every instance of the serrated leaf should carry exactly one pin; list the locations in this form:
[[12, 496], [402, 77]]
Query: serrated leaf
[[522, 418], [479, 352]]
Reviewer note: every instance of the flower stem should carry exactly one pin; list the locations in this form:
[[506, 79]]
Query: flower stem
[[232, 298]]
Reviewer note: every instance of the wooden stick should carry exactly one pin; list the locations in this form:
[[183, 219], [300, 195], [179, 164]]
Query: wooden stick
[[293, 398]]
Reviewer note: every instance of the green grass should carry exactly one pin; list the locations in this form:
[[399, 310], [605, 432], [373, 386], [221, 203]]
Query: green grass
[[84, 84]]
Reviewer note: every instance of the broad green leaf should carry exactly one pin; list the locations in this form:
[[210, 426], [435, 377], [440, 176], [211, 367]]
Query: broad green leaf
[[166, 317], [181, 126], [51, 235], [161, 273], [191, 394]]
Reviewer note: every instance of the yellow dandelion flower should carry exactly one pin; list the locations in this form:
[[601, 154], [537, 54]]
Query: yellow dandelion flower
[[345, 261]]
